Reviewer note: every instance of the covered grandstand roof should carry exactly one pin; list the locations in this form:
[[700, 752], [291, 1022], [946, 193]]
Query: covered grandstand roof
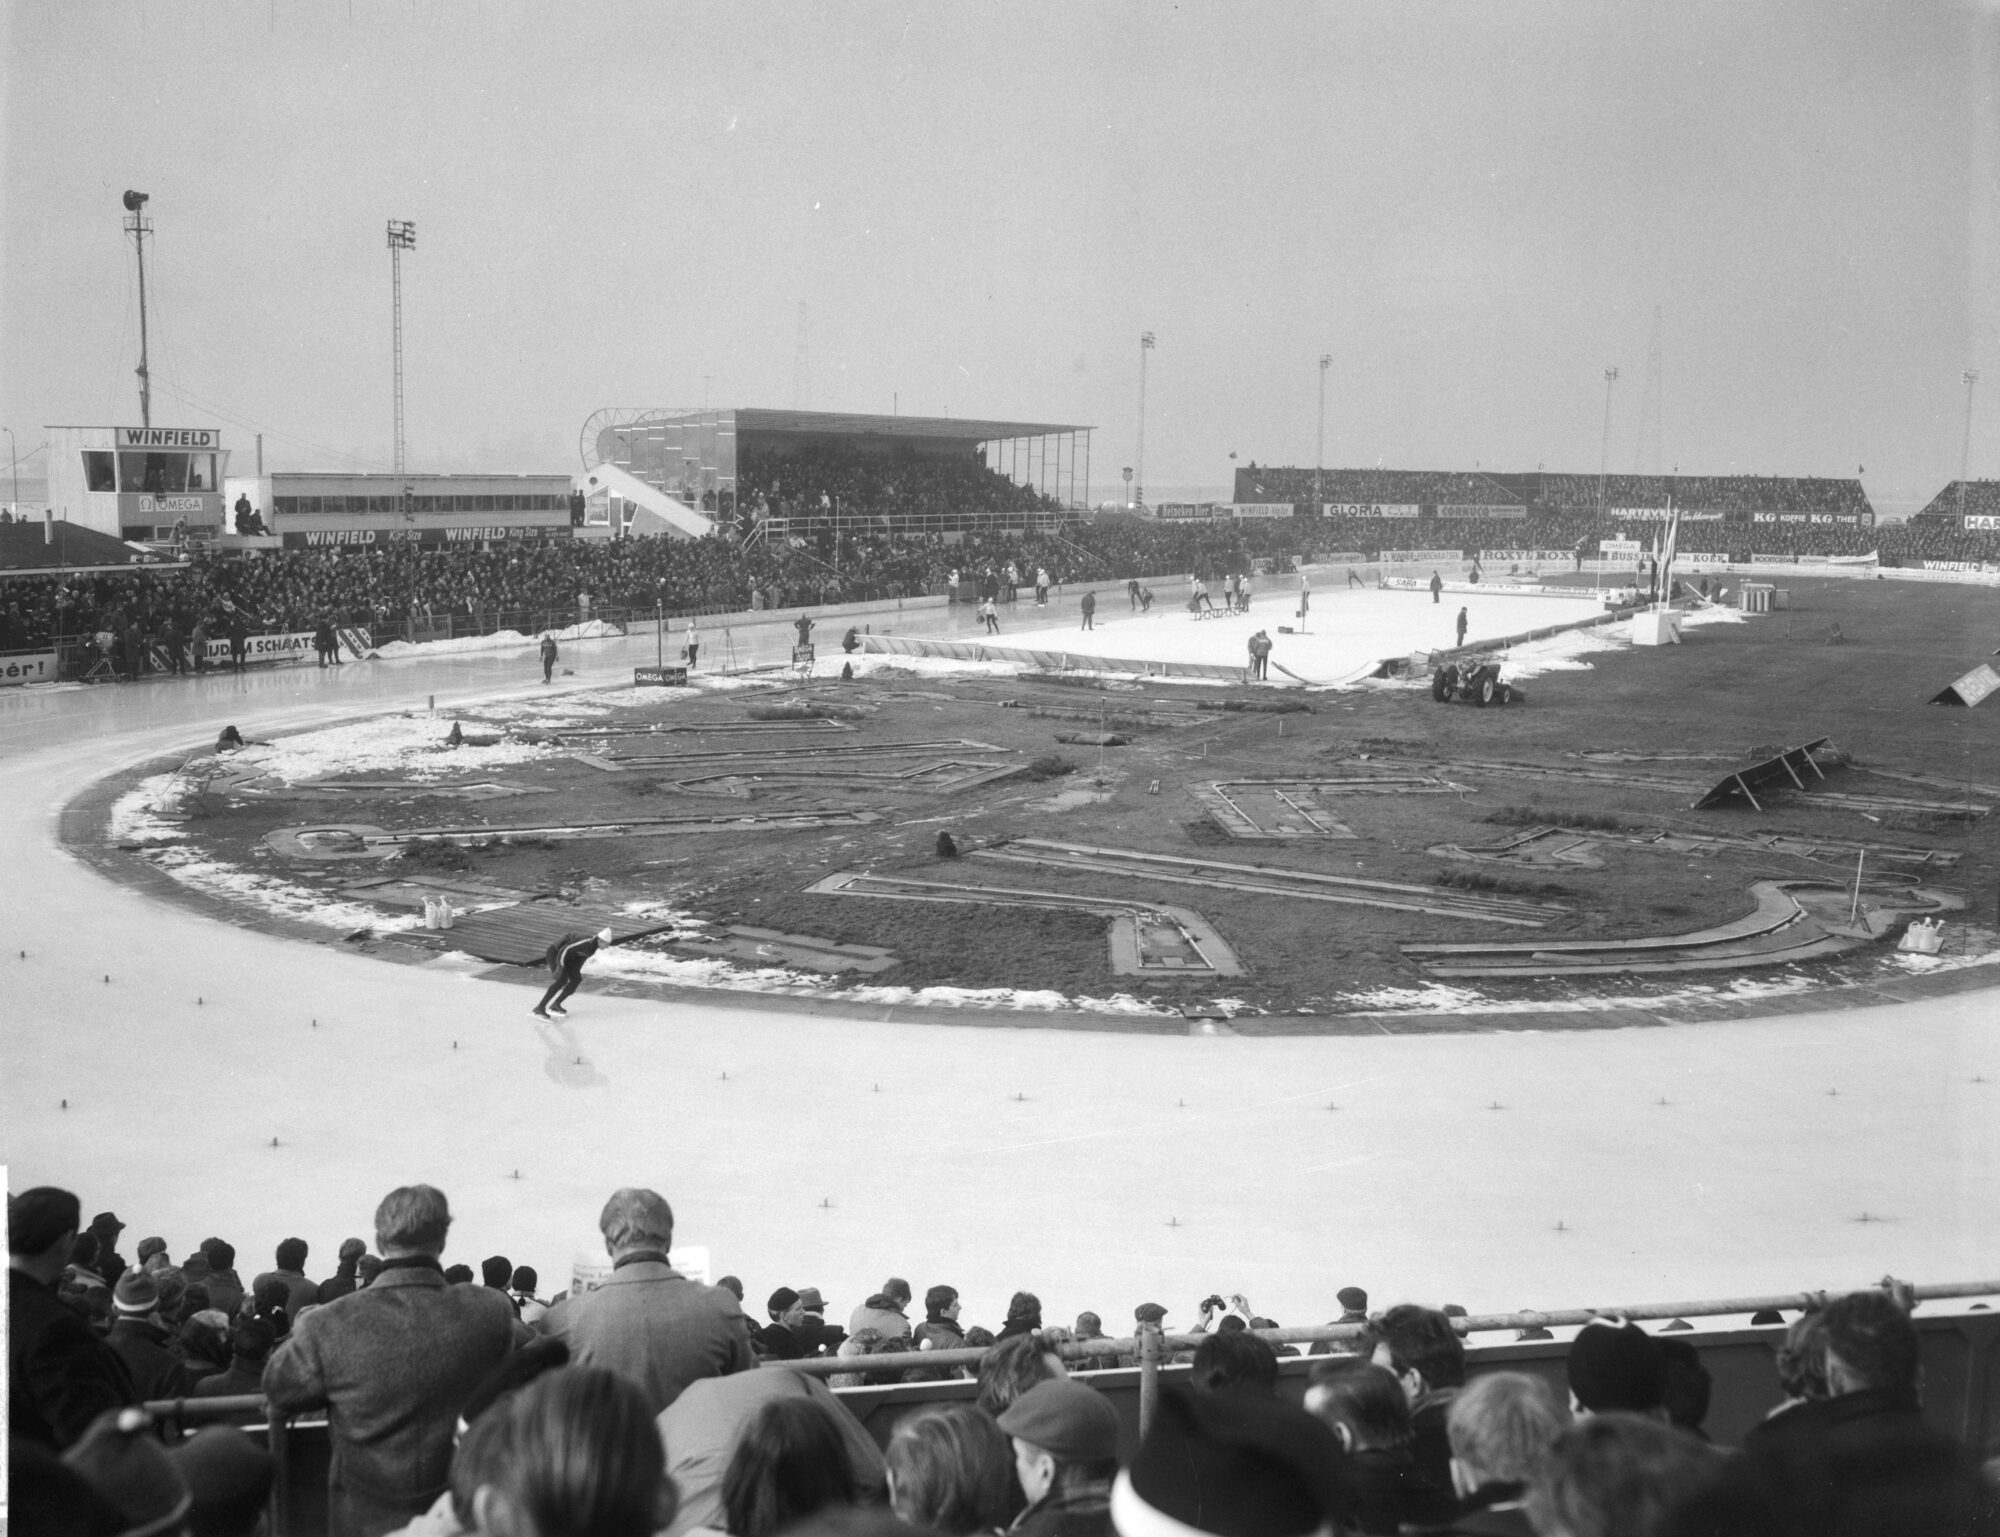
[[852, 424], [22, 547]]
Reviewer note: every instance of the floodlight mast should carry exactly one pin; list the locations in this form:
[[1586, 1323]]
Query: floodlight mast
[[1969, 378], [138, 226], [1319, 455], [402, 237], [1145, 346]]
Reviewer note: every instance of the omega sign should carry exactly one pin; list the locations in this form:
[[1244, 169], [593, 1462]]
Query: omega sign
[[169, 437]]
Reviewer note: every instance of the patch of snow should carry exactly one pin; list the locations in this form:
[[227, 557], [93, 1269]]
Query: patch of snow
[[500, 640], [410, 746], [136, 815], [282, 898]]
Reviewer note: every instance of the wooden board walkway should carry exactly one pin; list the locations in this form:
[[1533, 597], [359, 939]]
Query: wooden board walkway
[[521, 935]]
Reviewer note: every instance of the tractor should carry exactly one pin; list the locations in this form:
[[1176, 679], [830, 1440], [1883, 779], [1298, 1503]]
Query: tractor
[[1474, 679]]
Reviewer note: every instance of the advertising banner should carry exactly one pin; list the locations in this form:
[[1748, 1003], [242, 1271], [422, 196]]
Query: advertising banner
[[1479, 510], [1696, 558], [1780, 517], [1525, 557], [1262, 509], [20, 667], [1954, 565], [660, 677], [1981, 520], [1618, 547], [294, 647], [1181, 511], [315, 538], [1639, 514], [1369, 509], [1407, 557]]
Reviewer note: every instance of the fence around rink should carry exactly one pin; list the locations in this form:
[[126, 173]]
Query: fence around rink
[[1960, 1355]]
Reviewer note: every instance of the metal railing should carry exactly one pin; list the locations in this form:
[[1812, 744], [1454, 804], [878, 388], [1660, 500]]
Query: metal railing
[[1961, 1355]]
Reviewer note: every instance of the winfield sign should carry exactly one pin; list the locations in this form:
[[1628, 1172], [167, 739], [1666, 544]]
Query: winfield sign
[[169, 437]]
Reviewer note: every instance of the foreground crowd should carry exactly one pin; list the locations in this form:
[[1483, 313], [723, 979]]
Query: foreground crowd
[[639, 1406]]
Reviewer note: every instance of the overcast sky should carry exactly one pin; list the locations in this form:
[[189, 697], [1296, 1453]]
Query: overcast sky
[[1474, 208]]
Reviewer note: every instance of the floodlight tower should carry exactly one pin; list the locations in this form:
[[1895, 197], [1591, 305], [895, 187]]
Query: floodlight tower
[[1604, 449], [1145, 346], [402, 237], [1319, 456], [138, 226], [1970, 378]]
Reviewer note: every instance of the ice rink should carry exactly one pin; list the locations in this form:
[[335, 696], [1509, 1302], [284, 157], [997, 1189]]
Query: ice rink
[[192, 1093], [1345, 632]]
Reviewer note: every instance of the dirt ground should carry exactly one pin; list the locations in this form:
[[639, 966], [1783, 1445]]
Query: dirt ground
[[1728, 691]]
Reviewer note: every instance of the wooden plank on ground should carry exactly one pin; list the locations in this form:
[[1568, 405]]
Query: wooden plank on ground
[[521, 935]]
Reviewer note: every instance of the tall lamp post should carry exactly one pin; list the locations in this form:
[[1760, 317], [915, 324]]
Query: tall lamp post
[[1128, 488], [14, 453], [1604, 448], [402, 237], [1145, 346], [1971, 377], [138, 226], [1319, 456]]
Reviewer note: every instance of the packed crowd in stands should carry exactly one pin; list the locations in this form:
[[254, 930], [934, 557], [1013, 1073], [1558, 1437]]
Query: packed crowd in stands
[[653, 1403], [896, 483], [836, 550], [1981, 499]]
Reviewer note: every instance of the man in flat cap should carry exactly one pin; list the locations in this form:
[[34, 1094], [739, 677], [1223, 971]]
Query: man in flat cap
[[1065, 1439]]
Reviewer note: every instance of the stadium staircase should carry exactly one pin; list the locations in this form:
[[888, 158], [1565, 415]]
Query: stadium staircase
[[663, 513]]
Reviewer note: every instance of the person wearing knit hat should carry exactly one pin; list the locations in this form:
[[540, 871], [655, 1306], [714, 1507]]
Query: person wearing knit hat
[[124, 1462], [1065, 1457], [565, 958], [153, 1253], [139, 1337], [1232, 1465], [779, 1339], [60, 1375], [1616, 1367]]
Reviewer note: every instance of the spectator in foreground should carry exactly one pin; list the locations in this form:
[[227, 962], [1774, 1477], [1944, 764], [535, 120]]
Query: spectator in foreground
[[1420, 1347], [1237, 1362], [951, 1471], [522, 1286], [705, 1425], [1616, 1368], [1501, 1427], [1618, 1475], [395, 1364], [291, 1270], [647, 1321], [1862, 1461], [140, 1338], [1222, 1463], [1024, 1315], [582, 1459], [1065, 1439], [345, 1277], [60, 1376], [250, 1341], [940, 1330], [790, 1465], [884, 1310], [1011, 1368], [225, 1286], [1686, 1385], [1364, 1406]]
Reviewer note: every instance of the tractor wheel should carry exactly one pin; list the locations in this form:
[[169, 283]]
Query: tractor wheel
[[1442, 685], [1483, 692], [1504, 694]]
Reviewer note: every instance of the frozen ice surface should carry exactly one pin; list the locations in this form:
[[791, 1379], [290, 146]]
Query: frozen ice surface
[[1131, 1165]]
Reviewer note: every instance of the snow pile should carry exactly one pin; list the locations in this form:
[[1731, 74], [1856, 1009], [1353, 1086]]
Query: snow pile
[[499, 640]]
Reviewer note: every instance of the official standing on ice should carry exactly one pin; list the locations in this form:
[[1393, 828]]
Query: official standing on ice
[[1461, 626], [549, 654]]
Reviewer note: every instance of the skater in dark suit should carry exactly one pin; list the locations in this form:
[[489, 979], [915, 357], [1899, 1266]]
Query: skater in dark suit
[[566, 957], [1461, 626]]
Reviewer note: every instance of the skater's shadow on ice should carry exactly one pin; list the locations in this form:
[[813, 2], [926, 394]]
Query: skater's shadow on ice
[[566, 1063]]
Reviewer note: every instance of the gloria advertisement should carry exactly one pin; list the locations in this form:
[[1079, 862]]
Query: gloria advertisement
[[1369, 509], [27, 667]]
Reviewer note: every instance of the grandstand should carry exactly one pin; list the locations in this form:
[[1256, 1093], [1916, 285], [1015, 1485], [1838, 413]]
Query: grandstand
[[789, 471]]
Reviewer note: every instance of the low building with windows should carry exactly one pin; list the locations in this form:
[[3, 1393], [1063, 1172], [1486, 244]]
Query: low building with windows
[[138, 483], [304, 510]]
